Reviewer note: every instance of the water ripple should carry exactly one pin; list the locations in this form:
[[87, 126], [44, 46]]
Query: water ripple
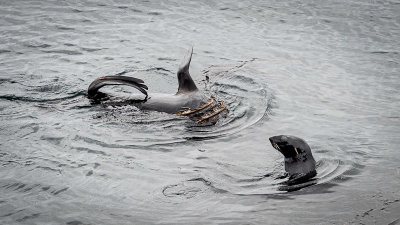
[[327, 72]]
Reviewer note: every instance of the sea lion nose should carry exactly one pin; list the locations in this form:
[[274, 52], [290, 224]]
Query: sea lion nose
[[271, 139]]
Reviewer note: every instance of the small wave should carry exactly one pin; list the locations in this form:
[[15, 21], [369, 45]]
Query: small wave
[[4, 51], [41, 100], [190, 188], [37, 45], [63, 51], [64, 28], [154, 13], [92, 49]]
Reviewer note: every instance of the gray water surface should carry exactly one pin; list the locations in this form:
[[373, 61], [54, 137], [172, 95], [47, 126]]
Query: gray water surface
[[326, 71]]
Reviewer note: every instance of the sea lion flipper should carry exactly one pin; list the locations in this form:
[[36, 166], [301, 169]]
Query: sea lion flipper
[[116, 80], [184, 67], [186, 84]]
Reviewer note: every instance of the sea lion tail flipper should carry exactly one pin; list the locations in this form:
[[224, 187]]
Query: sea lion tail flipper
[[184, 67], [116, 80]]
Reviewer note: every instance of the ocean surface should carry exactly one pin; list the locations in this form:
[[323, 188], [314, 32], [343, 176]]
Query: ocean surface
[[325, 71]]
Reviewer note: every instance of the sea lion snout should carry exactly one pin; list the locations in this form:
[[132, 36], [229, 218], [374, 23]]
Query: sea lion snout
[[285, 145]]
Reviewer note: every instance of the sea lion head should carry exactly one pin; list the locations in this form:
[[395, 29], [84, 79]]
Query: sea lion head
[[299, 161]]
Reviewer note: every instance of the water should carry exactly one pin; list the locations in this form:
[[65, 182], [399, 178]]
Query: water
[[327, 72]]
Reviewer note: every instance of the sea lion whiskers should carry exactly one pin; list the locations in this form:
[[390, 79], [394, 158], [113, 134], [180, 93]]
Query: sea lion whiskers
[[276, 146]]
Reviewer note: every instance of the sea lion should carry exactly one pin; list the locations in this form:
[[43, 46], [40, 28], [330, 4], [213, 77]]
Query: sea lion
[[187, 101], [299, 161], [187, 96]]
